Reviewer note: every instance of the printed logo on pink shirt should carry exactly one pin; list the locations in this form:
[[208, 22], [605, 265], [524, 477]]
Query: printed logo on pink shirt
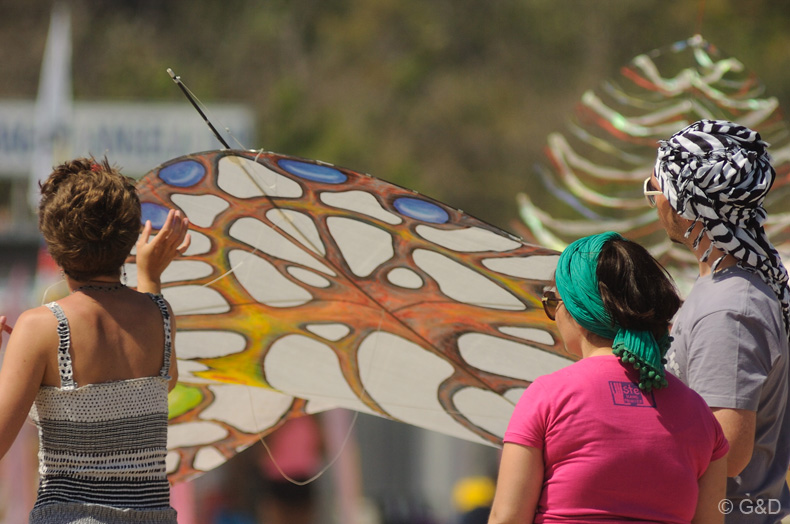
[[629, 394]]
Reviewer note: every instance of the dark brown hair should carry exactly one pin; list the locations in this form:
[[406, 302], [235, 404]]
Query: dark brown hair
[[89, 215], [636, 289]]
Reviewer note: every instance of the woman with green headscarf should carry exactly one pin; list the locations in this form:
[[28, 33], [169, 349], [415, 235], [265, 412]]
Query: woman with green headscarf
[[611, 437]]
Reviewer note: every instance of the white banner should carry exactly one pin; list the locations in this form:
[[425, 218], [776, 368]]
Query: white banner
[[135, 136]]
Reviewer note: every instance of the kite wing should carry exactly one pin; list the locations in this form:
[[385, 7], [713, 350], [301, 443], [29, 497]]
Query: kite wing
[[593, 179], [309, 287]]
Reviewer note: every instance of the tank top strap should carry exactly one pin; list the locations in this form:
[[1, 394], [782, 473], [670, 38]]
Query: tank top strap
[[160, 301], [64, 343]]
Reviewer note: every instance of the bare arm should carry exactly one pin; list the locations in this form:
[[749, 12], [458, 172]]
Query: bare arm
[[155, 255], [22, 372], [518, 486], [712, 490], [739, 428]]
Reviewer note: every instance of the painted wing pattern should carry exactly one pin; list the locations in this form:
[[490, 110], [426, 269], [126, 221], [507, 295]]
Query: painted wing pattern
[[596, 166], [309, 287]]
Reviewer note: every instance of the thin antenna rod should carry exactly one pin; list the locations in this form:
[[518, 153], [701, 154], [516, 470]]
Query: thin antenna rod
[[177, 80]]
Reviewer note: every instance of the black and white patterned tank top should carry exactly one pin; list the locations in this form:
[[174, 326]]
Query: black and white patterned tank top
[[103, 444]]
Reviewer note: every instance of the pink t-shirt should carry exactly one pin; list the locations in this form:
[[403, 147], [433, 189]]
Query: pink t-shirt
[[612, 452]]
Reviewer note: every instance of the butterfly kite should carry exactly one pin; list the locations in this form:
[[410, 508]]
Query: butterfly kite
[[593, 179], [309, 287]]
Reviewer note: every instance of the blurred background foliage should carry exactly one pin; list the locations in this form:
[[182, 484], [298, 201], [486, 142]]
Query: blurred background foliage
[[451, 98]]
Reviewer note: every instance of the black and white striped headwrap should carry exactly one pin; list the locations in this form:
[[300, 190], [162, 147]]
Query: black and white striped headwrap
[[718, 173]]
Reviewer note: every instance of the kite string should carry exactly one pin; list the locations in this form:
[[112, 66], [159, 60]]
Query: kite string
[[342, 446], [307, 241], [324, 469], [48, 289], [700, 15]]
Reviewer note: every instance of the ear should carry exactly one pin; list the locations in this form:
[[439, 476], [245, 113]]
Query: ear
[[681, 225]]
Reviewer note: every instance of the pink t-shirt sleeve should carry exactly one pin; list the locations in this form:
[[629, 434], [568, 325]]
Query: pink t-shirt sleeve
[[528, 423]]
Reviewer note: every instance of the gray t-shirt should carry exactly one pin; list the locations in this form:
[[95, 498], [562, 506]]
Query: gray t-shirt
[[730, 346]]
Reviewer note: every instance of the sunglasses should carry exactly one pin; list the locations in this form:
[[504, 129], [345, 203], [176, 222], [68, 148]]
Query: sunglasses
[[650, 193], [550, 304]]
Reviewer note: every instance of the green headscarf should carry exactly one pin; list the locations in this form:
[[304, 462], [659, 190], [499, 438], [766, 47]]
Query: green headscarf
[[577, 284]]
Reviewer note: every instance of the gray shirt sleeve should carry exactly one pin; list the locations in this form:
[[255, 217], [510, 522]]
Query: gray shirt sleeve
[[730, 358]]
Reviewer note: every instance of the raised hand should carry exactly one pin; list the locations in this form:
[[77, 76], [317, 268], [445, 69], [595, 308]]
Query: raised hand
[[155, 254]]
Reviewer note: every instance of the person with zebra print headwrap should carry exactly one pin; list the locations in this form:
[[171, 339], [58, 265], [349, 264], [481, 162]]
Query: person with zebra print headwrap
[[730, 337]]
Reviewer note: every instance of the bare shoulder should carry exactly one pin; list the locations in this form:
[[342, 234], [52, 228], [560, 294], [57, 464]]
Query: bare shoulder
[[38, 318], [34, 332]]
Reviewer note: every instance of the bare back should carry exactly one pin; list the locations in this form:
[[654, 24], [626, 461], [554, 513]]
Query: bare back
[[115, 335]]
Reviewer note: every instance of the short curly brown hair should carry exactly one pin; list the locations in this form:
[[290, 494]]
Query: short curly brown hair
[[89, 215]]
